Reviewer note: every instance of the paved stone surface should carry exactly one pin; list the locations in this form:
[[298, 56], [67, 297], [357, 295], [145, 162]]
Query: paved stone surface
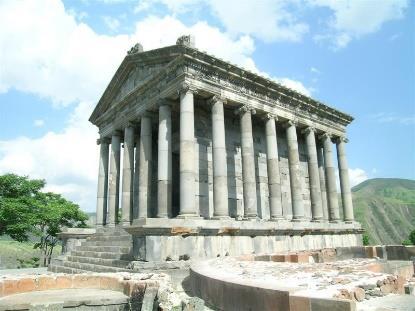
[[24, 271], [338, 279], [388, 303], [71, 297]]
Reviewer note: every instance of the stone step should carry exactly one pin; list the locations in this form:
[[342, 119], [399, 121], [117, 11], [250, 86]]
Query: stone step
[[110, 249], [110, 238], [108, 243], [92, 267], [62, 269], [100, 261], [103, 255]]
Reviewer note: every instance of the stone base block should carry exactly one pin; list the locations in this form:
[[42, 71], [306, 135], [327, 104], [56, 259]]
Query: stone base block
[[171, 248]]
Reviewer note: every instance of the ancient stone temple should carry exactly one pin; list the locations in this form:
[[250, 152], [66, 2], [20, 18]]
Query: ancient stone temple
[[201, 158]]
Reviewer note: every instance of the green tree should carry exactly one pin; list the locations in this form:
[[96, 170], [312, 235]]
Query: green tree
[[25, 212], [412, 237], [53, 212], [365, 239]]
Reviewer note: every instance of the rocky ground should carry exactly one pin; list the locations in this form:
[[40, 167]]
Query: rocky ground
[[347, 279]]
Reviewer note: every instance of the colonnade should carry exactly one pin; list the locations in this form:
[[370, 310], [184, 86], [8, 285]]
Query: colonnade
[[136, 181]]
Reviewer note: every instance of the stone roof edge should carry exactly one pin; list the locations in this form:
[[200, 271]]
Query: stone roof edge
[[202, 55]]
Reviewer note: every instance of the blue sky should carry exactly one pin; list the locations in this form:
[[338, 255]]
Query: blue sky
[[56, 59]]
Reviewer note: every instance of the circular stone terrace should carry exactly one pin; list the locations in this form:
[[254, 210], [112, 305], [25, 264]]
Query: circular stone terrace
[[297, 282]]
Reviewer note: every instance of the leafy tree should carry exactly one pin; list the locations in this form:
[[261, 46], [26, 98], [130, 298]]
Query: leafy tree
[[412, 237], [17, 197], [52, 213], [25, 211], [365, 239]]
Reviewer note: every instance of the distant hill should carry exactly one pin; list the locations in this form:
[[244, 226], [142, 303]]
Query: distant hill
[[386, 209]]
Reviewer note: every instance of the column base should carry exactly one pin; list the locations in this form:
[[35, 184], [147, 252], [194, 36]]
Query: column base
[[126, 223], [251, 217], [334, 221], [110, 225], [276, 218], [317, 220], [189, 216], [221, 217], [298, 219], [349, 221]]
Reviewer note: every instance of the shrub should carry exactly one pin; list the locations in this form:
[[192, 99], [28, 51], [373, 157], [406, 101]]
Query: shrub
[[365, 239]]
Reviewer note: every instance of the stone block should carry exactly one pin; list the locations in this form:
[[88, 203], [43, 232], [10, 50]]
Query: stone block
[[280, 258], [26, 285], [85, 281], [298, 303], [262, 258], [149, 299], [194, 304], [46, 282], [63, 281], [111, 283], [10, 287]]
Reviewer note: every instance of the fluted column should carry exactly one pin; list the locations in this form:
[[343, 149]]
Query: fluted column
[[294, 168], [144, 177], [114, 180], [128, 175], [332, 201], [102, 193], [248, 163], [187, 153], [220, 171], [344, 180], [164, 161], [273, 168], [313, 172], [136, 176], [320, 159]]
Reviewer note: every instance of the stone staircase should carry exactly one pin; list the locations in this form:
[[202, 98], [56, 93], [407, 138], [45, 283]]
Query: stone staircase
[[108, 250]]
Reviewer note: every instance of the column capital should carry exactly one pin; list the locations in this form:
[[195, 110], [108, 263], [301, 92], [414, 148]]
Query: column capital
[[289, 123], [103, 140], [308, 130], [185, 87], [216, 98], [132, 124], [117, 133], [341, 139], [163, 102], [269, 116], [245, 108], [325, 136]]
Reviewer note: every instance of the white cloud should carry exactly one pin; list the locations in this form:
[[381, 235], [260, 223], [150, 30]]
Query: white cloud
[[384, 117], [49, 53], [66, 159], [268, 20], [112, 23], [357, 175], [39, 123], [295, 85], [354, 19]]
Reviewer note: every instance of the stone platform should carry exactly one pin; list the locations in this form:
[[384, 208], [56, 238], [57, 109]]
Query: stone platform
[[182, 239]]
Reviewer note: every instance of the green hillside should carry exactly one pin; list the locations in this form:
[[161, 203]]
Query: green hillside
[[386, 209]]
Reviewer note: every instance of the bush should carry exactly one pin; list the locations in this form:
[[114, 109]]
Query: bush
[[366, 240], [406, 242], [412, 237]]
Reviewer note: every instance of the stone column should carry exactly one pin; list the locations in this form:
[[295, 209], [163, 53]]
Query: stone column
[[128, 175], [273, 168], [344, 180], [145, 158], [164, 161], [114, 180], [320, 159], [248, 163], [294, 168], [187, 154], [136, 176], [102, 193], [332, 201], [220, 170], [313, 174]]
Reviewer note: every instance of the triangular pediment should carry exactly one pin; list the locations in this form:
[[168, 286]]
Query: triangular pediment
[[134, 71]]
